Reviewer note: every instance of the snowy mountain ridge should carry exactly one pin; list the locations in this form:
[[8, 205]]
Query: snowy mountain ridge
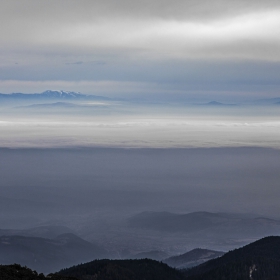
[[52, 94], [62, 93]]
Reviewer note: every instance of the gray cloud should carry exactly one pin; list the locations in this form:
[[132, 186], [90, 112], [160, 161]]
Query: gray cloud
[[149, 28], [137, 40], [124, 78], [73, 11], [74, 63], [168, 127]]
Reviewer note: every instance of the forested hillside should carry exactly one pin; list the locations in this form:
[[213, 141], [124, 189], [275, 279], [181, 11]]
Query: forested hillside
[[17, 272], [123, 270], [259, 260]]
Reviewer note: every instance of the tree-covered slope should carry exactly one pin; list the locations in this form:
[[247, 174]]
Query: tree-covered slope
[[17, 272], [123, 270], [259, 260], [192, 258]]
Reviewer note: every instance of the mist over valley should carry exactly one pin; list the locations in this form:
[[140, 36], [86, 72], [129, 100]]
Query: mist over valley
[[139, 140]]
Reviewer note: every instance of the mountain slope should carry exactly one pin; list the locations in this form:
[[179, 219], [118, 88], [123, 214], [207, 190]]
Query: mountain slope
[[46, 255], [17, 272], [259, 260], [124, 270], [192, 258]]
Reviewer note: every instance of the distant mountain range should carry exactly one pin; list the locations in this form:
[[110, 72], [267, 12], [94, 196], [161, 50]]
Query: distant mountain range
[[72, 95], [34, 246], [203, 224], [47, 255], [40, 231], [63, 105], [259, 260], [259, 102], [268, 101], [52, 94]]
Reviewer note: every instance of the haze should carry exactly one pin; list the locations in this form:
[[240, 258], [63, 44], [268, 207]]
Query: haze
[[116, 116]]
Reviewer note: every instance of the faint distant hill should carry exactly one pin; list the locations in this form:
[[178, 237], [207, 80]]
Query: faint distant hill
[[52, 95], [218, 104], [53, 105], [166, 221], [62, 105], [51, 231], [259, 260], [143, 269], [192, 258], [267, 101], [205, 224], [47, 255]]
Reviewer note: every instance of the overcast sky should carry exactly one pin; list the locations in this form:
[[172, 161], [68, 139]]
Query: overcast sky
[[226, 49]]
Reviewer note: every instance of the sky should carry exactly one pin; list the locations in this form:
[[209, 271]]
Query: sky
[[181, 50], [227, 50]]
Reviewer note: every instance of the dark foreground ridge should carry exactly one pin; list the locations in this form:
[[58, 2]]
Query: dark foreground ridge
[[259, 260], [17, 272], [123, 270]]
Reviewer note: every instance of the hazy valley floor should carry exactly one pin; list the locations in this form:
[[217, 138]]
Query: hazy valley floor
[[99, 194]]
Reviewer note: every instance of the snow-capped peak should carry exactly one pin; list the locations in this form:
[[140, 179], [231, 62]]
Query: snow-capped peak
[[61, 94]]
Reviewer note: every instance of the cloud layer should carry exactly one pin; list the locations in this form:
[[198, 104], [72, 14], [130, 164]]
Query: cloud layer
[[123, 40], [152, 131]]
